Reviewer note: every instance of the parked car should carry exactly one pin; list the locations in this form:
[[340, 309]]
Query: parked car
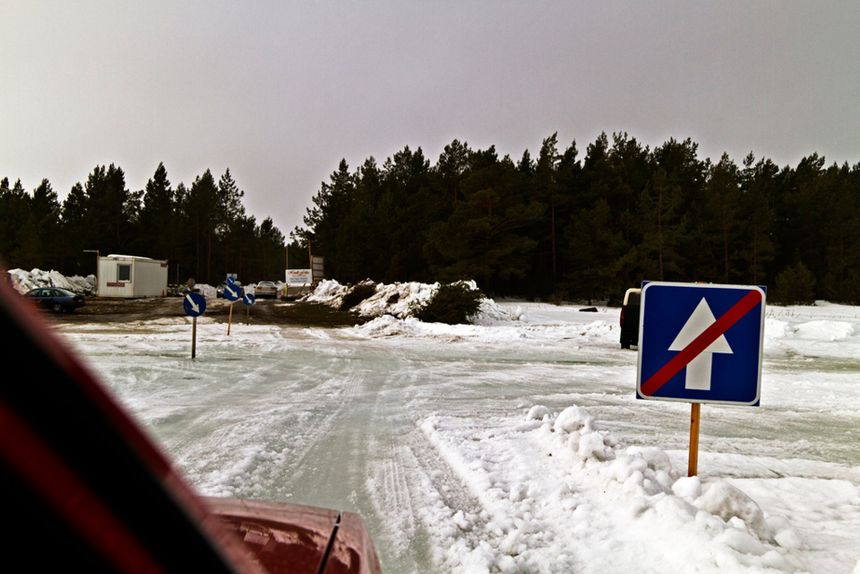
[[630, 318], [266, 290], [56, 299]]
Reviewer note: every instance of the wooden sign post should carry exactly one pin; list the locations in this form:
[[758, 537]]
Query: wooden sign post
[[700, 343], [693, 460]]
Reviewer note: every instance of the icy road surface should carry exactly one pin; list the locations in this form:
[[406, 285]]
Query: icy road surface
[[429, 432]]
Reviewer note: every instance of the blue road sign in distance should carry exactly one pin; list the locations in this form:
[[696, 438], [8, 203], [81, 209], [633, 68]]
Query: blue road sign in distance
[[194, 304], [701, 343], [249, 299], [232, 292]]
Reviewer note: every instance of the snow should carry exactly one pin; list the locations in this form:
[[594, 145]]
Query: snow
[[24, 281], [208, 291], [400, 300], [512, 445], [825, 330]]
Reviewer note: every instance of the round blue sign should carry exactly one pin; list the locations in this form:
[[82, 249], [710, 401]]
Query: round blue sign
[[232, 292], [249, 299], [194, 304]]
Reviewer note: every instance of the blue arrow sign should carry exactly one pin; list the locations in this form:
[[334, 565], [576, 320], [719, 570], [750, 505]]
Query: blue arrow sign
[[701, 343], [194, 304], [232, 292], [249, 299]]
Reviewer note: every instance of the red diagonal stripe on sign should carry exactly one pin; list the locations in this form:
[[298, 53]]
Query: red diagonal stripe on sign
[[700, 343]]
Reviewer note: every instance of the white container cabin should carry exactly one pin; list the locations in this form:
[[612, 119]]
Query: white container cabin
[[131, 276]]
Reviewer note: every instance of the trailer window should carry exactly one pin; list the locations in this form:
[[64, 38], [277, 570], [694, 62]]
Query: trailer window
[[123, 272]]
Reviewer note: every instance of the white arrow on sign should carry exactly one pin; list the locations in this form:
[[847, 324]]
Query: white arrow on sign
[[232, 293], [191, 302], [698, 375]]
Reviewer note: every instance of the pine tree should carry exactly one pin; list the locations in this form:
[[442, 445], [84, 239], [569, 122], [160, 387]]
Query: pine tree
[[661, 208], [721, 222], [107, 211], [548, 193], [14, 212], [40, 235], [271, 247], [202, 212], [595, 252], [685, 176], [758, 183], [158, 232], [485, 239]]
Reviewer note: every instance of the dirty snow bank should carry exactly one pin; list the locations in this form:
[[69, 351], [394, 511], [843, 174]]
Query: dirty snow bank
[[24, 281], [558, 494], [400, 300], [208, 291]]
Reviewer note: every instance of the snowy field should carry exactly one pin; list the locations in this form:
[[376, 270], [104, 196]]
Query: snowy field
[[513, 446]]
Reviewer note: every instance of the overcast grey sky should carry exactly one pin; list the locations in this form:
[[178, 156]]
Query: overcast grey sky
[[280, 91]]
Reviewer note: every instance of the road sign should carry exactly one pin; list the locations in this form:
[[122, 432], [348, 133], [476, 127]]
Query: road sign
[[194, 304], [232, 292], [249, 299], [298, 277], [701, 343]]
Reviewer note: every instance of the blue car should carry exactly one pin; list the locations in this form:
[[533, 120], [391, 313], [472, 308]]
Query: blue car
[[56, 299]]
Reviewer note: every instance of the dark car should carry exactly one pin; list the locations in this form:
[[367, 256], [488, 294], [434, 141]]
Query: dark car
[[630, 318], [56, 299]]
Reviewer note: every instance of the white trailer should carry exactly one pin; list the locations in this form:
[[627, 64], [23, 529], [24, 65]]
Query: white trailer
[[131, 276]]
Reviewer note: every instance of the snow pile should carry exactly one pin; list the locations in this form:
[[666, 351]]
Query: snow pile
[[397, 299], [825, 330], [553, 483], [24, 281], [389, 326], [328, 292], [208, 291], [491, 312], [400, 300], [776, 329]]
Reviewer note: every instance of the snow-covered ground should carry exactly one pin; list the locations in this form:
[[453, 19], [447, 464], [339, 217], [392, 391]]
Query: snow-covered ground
[[514, 445]]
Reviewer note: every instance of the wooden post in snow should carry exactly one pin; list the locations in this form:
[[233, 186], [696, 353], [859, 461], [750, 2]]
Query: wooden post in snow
[[693, 461]]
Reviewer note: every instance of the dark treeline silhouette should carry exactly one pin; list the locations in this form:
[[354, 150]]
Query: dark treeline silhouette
[[203, 231], [561, 226]]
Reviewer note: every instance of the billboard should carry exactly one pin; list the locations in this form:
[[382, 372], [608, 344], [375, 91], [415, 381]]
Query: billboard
[[298, 277]]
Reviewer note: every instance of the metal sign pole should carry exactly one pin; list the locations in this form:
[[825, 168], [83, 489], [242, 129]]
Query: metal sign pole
[[194, 337], [693, 460]]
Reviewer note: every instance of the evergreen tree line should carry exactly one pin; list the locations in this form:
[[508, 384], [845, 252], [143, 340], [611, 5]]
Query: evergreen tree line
[[203, 231], [561, 226]]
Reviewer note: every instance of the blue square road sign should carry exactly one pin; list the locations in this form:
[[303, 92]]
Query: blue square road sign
[[701, 343]]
